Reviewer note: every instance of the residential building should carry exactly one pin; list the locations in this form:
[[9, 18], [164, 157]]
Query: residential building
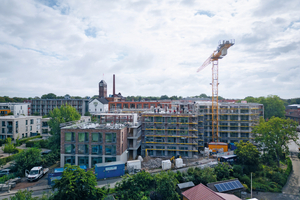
[[21, 126], [89, 143], [187, 127], [15, 108], [293, 112], [44, 106], [134, 129], [138, 106], [98, 105]]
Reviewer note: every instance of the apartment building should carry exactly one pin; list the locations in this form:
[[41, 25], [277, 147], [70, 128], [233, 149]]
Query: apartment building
[[138, 106], [21, 126], [90, 143], [16, 108], [293, 112], [134, 131], [44, 106], [187, 127]]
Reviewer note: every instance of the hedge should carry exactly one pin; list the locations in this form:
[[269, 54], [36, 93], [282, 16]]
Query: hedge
[[21, 141], [39, 143]]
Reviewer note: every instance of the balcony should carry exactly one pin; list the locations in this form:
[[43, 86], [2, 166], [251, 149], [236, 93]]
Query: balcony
[[131, 146]]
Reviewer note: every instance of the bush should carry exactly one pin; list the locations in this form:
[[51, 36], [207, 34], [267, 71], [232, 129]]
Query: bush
[[238, 169], [24, 140], [246, 180]]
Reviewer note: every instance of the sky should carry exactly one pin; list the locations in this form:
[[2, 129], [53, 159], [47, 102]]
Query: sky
[[154, 47]]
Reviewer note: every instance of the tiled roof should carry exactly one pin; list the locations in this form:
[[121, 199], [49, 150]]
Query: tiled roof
[[201, 192]]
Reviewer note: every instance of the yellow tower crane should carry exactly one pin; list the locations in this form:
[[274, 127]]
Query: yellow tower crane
[[214, 58]]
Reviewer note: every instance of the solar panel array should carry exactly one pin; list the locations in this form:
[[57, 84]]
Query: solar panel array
[[233, 185]]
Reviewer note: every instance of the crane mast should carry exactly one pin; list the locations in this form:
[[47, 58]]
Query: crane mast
[[214, 59]]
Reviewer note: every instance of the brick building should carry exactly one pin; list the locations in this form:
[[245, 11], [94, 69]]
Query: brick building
[[88, 144], [293, 112]]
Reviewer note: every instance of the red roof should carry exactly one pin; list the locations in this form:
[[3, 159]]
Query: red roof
[[201, 192]]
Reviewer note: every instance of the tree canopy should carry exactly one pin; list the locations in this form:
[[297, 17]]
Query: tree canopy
[[76, 183], [273, 105], [65, 113], [27, 159], [275, 135], [247, 153]]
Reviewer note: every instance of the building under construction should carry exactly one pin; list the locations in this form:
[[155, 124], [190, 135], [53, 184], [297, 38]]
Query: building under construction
[[187, 127]]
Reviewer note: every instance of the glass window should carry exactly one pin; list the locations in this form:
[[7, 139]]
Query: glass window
[[96, 160], [110, 159], [3, 123], [31, 121], [70, 160], [69, 148], [83, 160], [96, 137], [83, 137], [69, 136], [97, 149], [110, 149], [172, 139], [26, 122], [110, 137], [83, 149]]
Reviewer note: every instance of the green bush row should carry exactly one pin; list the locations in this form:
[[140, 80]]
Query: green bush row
[[24, 140], [38, 143], [5, 160]]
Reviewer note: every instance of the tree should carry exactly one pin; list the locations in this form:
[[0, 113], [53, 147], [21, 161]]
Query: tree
[[273, 105], [9, 147], [275, 135], [65, 113], [247, 153], [48, 96], [27, 159], [76, 183], [166, 186], [223, 170]]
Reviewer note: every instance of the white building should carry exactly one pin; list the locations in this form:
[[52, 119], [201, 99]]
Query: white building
[[98, 105], [17, 108], [22, 126]]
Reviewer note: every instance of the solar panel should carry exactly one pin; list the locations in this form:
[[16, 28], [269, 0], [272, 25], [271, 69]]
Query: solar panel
[[232, 185]]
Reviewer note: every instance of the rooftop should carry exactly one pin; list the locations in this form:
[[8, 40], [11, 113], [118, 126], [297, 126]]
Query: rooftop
[[94, 126]]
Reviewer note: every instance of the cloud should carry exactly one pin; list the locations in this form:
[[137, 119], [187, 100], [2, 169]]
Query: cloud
[[153, 47]]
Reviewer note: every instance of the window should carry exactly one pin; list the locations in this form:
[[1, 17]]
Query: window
[[234, 134], [26, 128], [172, 139], [83, 137], [3, 130], [110, 149], [83, 149], [31, 121], [160, 139], [110, 137], [70, 160], [26, 122], [97, 149], [69, 148], [224, 134], [69, 137], [183, 140], [110, 159], [96, 137], [245, 135], [3, 123], [96, 160], [83, 160], [149, 139], [30, 128]]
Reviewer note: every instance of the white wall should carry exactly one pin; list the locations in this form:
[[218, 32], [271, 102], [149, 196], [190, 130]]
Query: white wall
[[97, 107]]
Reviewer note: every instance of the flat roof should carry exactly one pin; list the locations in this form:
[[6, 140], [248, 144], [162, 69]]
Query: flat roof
[[89, 125], [109, 164]]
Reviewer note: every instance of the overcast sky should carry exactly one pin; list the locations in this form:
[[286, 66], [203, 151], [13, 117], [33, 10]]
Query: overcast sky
[[153, 47]]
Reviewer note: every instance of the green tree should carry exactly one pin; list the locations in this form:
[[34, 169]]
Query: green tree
[[10, 113], [48, 96], [9, 147], [166, 185], [247, 153], [275, 135], [77, 184], [223, 170], [273, 105], [65, 113], [27, 159]]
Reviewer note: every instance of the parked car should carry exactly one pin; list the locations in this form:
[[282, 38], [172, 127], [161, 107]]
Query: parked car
[[4, 172]]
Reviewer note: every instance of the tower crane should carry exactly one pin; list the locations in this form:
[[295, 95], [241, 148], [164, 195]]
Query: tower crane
[[214, 59]]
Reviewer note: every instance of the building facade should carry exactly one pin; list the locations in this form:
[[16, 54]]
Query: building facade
[[137, 105], [186, 128], [98, 105], [88, 144], [16, 108], [102, 89], [134, 130], [44, 106], [21, 126], [293, 112]]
